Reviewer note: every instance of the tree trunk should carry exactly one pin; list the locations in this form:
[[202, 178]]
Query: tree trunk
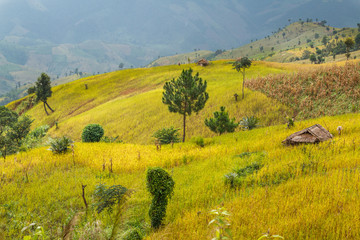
[[45, 109], [184, 126], [243, 84], [49, 107], [4, 153]]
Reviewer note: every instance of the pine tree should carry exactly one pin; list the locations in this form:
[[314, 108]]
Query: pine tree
[[185, 95], [43, 90], [221, 122]]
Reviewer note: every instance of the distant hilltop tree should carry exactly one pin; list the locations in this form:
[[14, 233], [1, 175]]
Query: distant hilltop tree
[[43, 90], [349, 42], [241, 65]]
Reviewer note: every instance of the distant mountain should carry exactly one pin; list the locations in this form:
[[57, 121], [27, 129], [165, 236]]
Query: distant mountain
[[93, 36]]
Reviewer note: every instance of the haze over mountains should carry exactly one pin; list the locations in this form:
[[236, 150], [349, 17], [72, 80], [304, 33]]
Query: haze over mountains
[[60, 37]]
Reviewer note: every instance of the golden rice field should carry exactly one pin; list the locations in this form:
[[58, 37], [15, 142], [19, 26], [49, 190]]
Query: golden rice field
[[302, 192]]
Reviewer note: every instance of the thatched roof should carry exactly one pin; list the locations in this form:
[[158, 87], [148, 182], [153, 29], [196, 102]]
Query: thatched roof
[[203, 62], [313, 134]]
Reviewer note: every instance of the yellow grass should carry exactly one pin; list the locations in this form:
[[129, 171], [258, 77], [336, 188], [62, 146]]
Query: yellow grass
[[303, 192]]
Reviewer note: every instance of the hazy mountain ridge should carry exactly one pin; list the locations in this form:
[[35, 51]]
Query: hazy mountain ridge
[[59, 37]]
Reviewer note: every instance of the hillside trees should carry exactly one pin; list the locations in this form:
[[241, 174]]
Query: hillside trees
[[43, 90], [185, 95], [12, 130], [313, 58], [357, 40], [349, 42], [241, 65]]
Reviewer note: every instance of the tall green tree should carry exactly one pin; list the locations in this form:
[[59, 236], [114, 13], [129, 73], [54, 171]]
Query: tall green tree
[[221, 122], [43, 90], [313, 58], [349, 42], [241, 65], [12, 130], [357, 40], [185, 95]]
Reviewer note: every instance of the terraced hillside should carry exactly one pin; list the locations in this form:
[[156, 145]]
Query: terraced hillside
[[128, 102]]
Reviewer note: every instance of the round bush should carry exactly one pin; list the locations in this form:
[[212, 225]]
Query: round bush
[[92, 133]]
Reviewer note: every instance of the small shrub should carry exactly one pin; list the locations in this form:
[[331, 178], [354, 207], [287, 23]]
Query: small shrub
[[132, 234], [235, 178], [221, 122], [161, 186], [167, 135], [244, 154], [290, 122], [198, 141], [60, 145], [92, 133], [35, 138], [39, 132], [31, 90], [107, 139], [109, 198], [249, 122]]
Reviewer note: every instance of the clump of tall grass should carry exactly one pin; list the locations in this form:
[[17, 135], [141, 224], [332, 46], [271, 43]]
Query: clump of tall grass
[[60, 145]]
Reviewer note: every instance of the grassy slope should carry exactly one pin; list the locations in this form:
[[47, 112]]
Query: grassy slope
[[293, 34], [287, 47], [128, 103], [304, 192], [181, 58]]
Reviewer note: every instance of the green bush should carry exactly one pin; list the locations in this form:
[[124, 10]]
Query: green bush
[[39, 132], [249, 122], [92, 133], [132, 234], [112, 198], [60, 145], [35, 138], [236, 178], [221, 122], [161, 186], [198, 141], [167, 135]]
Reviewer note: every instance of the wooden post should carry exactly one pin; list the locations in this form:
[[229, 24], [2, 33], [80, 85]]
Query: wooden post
[[83, 195]]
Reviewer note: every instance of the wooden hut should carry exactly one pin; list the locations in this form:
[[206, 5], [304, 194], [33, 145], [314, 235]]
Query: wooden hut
[[313, 134], [203, 62]]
